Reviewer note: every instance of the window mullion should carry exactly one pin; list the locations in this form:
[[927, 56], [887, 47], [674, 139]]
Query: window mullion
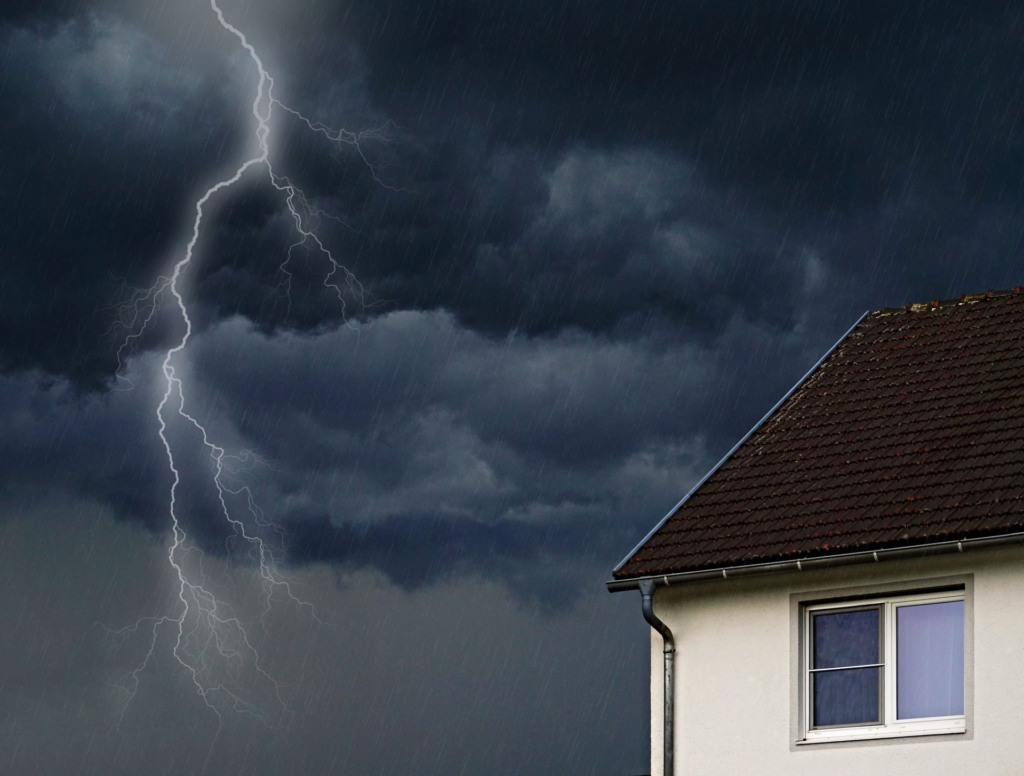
[[889, 672]]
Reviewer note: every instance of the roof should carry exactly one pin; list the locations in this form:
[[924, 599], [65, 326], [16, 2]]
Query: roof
[[909, 432]]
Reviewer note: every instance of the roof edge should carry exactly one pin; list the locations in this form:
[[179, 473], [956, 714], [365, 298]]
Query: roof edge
[[823, 561], [736, 447]]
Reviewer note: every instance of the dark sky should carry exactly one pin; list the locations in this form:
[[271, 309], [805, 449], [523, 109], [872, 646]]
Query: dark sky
[[590, 244]]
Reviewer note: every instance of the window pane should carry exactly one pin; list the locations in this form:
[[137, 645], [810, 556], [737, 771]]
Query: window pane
[[846, 639], [930, 660], [847, 697]]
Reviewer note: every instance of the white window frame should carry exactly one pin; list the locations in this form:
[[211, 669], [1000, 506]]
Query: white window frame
[[890, 727]]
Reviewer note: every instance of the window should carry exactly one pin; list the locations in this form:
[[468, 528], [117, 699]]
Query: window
[[883, 667]]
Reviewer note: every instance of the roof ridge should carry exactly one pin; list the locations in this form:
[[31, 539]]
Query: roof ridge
[[935, 304]]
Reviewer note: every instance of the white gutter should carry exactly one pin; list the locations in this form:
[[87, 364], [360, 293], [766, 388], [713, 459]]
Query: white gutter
[[820, 561]]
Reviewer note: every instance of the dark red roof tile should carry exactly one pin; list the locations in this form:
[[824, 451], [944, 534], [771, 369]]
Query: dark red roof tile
[[911, 431]]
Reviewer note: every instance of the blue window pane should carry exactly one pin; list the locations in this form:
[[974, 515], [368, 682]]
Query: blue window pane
[[847, 697], [846, 639], [930, 660]]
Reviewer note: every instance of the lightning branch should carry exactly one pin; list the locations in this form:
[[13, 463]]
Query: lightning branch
[[211, 644]]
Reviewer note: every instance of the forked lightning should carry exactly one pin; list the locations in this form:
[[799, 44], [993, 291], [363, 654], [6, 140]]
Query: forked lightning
[[210, 642]]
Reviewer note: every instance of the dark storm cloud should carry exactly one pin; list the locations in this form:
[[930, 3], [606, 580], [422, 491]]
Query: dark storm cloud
[[426, 450], [603, 241], [883, 133], [409, 445], [423, 449], [59, 443], [420, 549], [109, 136], [632, 206], [780, 93], [32, 10], [851, 133]]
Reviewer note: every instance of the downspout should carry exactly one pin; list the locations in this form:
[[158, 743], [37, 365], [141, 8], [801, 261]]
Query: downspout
[[647, 593]]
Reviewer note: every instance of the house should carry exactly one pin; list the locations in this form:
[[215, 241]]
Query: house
[[844, 592]]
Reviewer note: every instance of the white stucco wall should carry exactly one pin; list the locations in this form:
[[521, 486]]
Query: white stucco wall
[[737, 674]]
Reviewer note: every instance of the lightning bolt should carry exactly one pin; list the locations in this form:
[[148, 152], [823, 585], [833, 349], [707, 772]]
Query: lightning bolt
[[211, 643]]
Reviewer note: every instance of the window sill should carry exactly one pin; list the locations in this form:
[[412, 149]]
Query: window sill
[[936, 727]]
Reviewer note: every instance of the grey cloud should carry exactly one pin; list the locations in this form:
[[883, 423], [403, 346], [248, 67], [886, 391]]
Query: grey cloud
[[573, 400], [59, 442], [354, 696], [454, 477], [414, 435], [101, 68]]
